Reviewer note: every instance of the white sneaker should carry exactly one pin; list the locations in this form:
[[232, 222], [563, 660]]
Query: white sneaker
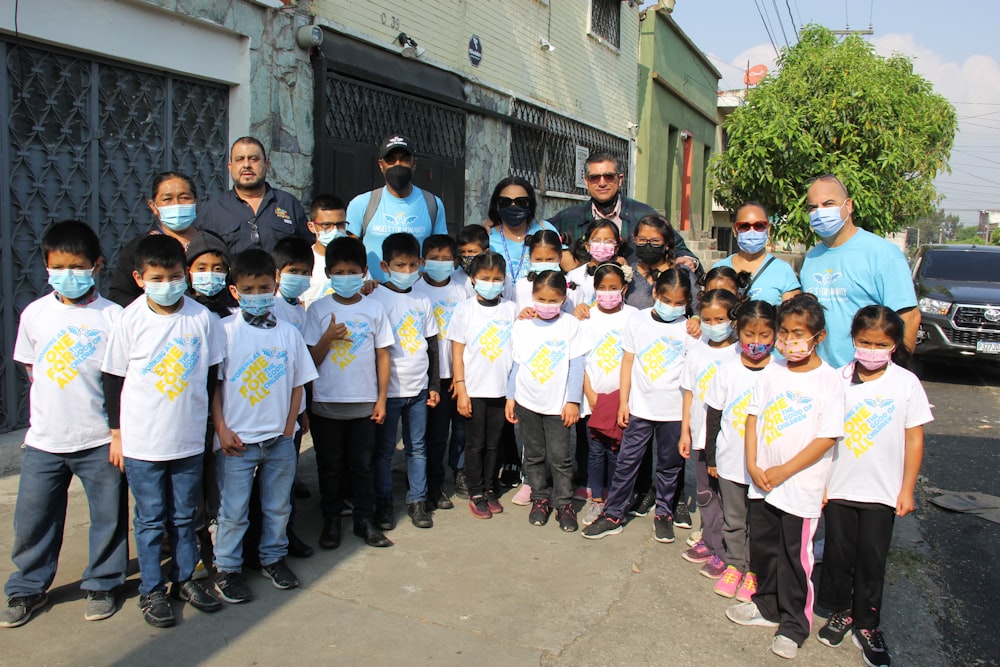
[[694, 538], [594, 510], [746, 613], [784, 647]]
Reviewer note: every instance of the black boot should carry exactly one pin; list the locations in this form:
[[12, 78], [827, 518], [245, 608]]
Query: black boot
[[461, 487], [439, 500], [385, 515], [329, 537], [372, 536], [419, 515], [296, 547]]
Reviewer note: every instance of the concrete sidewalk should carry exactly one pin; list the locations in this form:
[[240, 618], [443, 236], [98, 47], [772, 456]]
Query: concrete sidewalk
[[497, 592]]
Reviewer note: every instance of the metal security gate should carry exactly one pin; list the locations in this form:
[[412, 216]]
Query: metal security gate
[[353, 116], [83, 138]]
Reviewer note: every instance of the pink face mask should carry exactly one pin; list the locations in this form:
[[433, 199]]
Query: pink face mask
[[795, 349], [546, 311], [873, 359], [609, 299], [602, 252]]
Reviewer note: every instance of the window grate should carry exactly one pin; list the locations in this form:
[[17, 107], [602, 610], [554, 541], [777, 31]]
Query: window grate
[[605, 20]]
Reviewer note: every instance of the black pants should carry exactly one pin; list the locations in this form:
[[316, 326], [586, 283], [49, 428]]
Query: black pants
[[344, 445], [781, 555], [482, 444], [853, 572], [546, 442]]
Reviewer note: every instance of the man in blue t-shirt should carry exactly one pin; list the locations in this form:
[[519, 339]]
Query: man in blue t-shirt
[[398, 207], [851, 269]]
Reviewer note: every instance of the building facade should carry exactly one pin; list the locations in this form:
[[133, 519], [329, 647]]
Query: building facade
[[98, 96]]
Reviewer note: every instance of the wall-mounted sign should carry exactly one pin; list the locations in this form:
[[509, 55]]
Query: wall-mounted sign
[[475, 51], [582, 153]]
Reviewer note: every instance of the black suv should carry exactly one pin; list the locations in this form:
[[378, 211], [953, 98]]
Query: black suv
[[958, 293]]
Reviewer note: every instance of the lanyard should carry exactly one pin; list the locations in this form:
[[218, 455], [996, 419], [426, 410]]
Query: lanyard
[[510, 263]]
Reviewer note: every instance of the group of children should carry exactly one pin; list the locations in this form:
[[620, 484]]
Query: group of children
[[453, 347]]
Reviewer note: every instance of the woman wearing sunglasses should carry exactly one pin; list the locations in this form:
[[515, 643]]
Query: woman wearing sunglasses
[[771, 279], [512, 212]]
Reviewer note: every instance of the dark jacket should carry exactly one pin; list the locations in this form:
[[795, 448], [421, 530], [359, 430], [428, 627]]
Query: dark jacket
[[229, 217]]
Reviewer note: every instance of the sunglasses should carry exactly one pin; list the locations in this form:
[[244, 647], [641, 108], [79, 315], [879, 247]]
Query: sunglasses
[[757, 226], [597, 178], [254, 232], [506, 202]]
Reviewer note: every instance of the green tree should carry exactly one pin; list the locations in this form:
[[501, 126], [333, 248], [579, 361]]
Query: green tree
[[967, 234], [934, 227], [837, 107]]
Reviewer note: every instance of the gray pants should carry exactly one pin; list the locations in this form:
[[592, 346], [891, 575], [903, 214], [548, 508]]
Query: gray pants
[[546, 440], [734, 523], [709, 506]]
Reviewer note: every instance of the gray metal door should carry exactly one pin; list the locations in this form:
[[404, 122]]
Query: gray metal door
[[83, 138]]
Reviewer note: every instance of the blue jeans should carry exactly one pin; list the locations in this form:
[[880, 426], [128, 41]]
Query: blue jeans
[[601, 463], [413, 411], [166, 497], [40, 516], [273, 462], [445, 435]]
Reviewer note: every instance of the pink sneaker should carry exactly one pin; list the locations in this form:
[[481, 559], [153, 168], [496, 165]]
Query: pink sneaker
[[581, 493], [747, 588], [713, 568], [699, 553], [728, 583], [523, 496]]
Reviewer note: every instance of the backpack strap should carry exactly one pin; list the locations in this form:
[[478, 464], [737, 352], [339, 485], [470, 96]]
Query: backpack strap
[[432, 206], [373, 202], [760, 271]]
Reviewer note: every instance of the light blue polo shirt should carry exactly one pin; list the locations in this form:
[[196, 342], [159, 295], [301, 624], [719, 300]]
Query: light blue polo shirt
[[865, 271], [771, 282]]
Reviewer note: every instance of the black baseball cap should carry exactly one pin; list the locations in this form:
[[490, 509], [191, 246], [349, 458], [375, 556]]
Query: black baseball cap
[[394, 142]]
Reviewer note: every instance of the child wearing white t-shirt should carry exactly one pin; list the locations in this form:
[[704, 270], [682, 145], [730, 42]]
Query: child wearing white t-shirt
[[725, 427], [61, 340], [795, 415], [414, 380], [603, 328], [544, 253], [544, 395], [603, 243], [874, 475], [349, 338], [655, 344], [445, 428], [480, 335], [327, 221], [701, 368], [167, 348]]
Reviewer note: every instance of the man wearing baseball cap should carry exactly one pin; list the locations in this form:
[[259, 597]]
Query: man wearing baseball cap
[[398, 207]]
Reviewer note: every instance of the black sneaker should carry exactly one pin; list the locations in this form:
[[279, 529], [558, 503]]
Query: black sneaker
[[510, 475], [197, 595], [873, 648], [461, 486], [296, 547], [837, 626], [663, 529], [280, 575], [233, 588], [20, 609], [540, 511], [682, 516], [439, 500], [385, 516], [643, 505], [604, 525], [100, 605], [156, 609], [567, 518], [419, 515]]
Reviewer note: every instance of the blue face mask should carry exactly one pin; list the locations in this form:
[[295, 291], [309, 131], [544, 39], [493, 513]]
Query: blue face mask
[[347, 286], [208, 283], [177, 217], [403, 281], [71, 283], [718, 332], [826, 220], [488, 290], [292, 286], [438, 270], [538, 267], [668, 313], [328, 235], [751, 241], [166, 294], [257, 304]]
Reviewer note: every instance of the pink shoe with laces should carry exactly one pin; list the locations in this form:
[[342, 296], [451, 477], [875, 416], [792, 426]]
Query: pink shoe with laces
[[747, 588], [728, 583]]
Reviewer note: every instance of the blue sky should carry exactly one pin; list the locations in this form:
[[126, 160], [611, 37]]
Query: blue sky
[[953, 44]]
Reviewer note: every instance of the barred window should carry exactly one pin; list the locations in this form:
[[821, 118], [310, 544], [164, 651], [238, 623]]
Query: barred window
[[605, 20]]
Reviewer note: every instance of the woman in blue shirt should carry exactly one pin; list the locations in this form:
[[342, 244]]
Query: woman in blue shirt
[[771, 279]]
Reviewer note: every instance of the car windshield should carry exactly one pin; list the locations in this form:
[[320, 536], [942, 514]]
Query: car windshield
[[961, 266]]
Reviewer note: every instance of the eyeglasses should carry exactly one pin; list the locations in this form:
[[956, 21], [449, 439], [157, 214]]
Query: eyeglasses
[[506, 202], [756, 225], [610, 177], [254, 232], [642, 243], [327, 226]]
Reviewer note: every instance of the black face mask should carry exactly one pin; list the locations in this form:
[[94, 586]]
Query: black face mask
[[398, 177], [608, 206], [466, 263], [649, 255], [514, 216]]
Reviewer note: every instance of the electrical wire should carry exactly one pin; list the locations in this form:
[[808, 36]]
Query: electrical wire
[[770, 37], [791, 18], [781, 24]]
